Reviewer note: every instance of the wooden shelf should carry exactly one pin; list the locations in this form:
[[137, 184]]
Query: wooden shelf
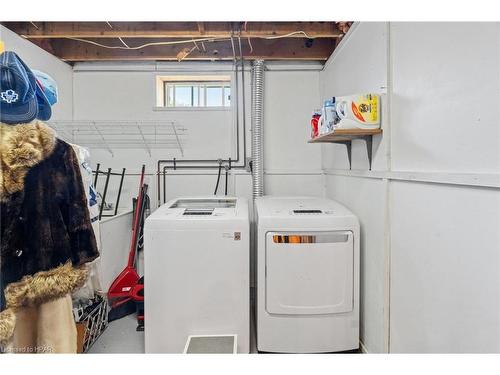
[[345, 137], [342, 135]]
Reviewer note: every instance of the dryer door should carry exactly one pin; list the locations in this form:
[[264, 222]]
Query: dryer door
[[309, 273]]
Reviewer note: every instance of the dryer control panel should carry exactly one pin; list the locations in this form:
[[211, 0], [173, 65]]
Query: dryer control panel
[[307, 212]]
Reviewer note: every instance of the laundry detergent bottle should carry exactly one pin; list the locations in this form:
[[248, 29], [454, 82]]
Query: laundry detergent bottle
[[358, 111]]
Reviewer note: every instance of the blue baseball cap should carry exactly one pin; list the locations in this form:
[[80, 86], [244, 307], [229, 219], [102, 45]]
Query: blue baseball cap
[[44, 109], [18, 102], [46, 94], [48, 84]]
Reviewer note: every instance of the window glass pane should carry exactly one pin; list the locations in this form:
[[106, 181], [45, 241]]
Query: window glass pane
[[227, 96], [170, 96], [214, 96], [197, 94], [183, 96]]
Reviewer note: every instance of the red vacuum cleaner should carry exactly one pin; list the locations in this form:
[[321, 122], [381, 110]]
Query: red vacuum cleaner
[[126, 286]]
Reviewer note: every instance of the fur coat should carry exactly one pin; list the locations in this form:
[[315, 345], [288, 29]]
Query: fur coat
[[45, 232]]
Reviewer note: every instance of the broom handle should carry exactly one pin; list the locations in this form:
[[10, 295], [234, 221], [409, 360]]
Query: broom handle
[[131, 255]]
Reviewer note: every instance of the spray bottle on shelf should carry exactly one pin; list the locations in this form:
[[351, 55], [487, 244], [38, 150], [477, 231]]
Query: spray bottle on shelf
[[329, 116], [316, 116]]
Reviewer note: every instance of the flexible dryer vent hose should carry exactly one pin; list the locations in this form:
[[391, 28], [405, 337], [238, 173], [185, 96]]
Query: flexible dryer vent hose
[[257, 118]]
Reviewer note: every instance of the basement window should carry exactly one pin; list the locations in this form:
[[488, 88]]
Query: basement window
[[185, 92]]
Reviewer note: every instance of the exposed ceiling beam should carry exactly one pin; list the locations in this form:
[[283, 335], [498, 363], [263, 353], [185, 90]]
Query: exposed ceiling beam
[[44, 30], [293, 49]]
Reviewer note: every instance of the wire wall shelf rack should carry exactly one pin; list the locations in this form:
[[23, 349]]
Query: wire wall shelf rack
[[113, 135]]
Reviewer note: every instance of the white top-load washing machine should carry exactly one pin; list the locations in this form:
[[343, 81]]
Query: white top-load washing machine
[[196, 261], [307, 276]]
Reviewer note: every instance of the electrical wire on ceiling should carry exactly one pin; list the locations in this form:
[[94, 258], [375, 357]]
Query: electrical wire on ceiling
[[287, 35], [250, 44], [165, 43], [248, 39], [121, 40], [125, 44], [232, 45], [149, 44]]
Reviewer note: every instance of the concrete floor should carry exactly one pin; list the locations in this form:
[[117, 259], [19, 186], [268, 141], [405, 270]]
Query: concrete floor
[[121, 337]]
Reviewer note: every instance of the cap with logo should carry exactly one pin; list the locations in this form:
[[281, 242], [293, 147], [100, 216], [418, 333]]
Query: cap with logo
[[18, 99]]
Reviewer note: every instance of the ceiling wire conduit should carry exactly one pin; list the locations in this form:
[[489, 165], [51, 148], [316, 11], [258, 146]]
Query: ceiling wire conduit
[[257, 128]]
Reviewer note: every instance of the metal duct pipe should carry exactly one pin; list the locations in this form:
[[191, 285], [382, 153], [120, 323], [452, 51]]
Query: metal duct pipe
[[257, 128]]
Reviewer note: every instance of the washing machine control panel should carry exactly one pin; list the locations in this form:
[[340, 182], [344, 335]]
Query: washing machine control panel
[[309, 212]]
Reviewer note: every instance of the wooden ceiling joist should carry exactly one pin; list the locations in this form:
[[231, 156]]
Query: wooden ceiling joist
[[45, 30], [294, 49], [94, 41]]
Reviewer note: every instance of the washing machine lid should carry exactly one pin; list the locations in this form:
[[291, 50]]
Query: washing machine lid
[[203, 211], [203, 203], [309, 273]]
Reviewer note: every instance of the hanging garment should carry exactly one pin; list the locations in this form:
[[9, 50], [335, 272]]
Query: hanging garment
[[93, 283], [45, 328], [45, 226], [83, 156]]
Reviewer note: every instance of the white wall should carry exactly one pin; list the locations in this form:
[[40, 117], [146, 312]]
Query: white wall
[[360, 65], [445, 107], [445, 279], [131, 96], [291, 165], [37, 58], [127, 92], [446, 96], [429, 209], [115, 235]]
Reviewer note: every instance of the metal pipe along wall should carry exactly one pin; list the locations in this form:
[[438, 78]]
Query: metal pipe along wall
[[257, 128]]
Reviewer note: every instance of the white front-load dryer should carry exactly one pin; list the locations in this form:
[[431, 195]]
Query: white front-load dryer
[[307, 276]]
